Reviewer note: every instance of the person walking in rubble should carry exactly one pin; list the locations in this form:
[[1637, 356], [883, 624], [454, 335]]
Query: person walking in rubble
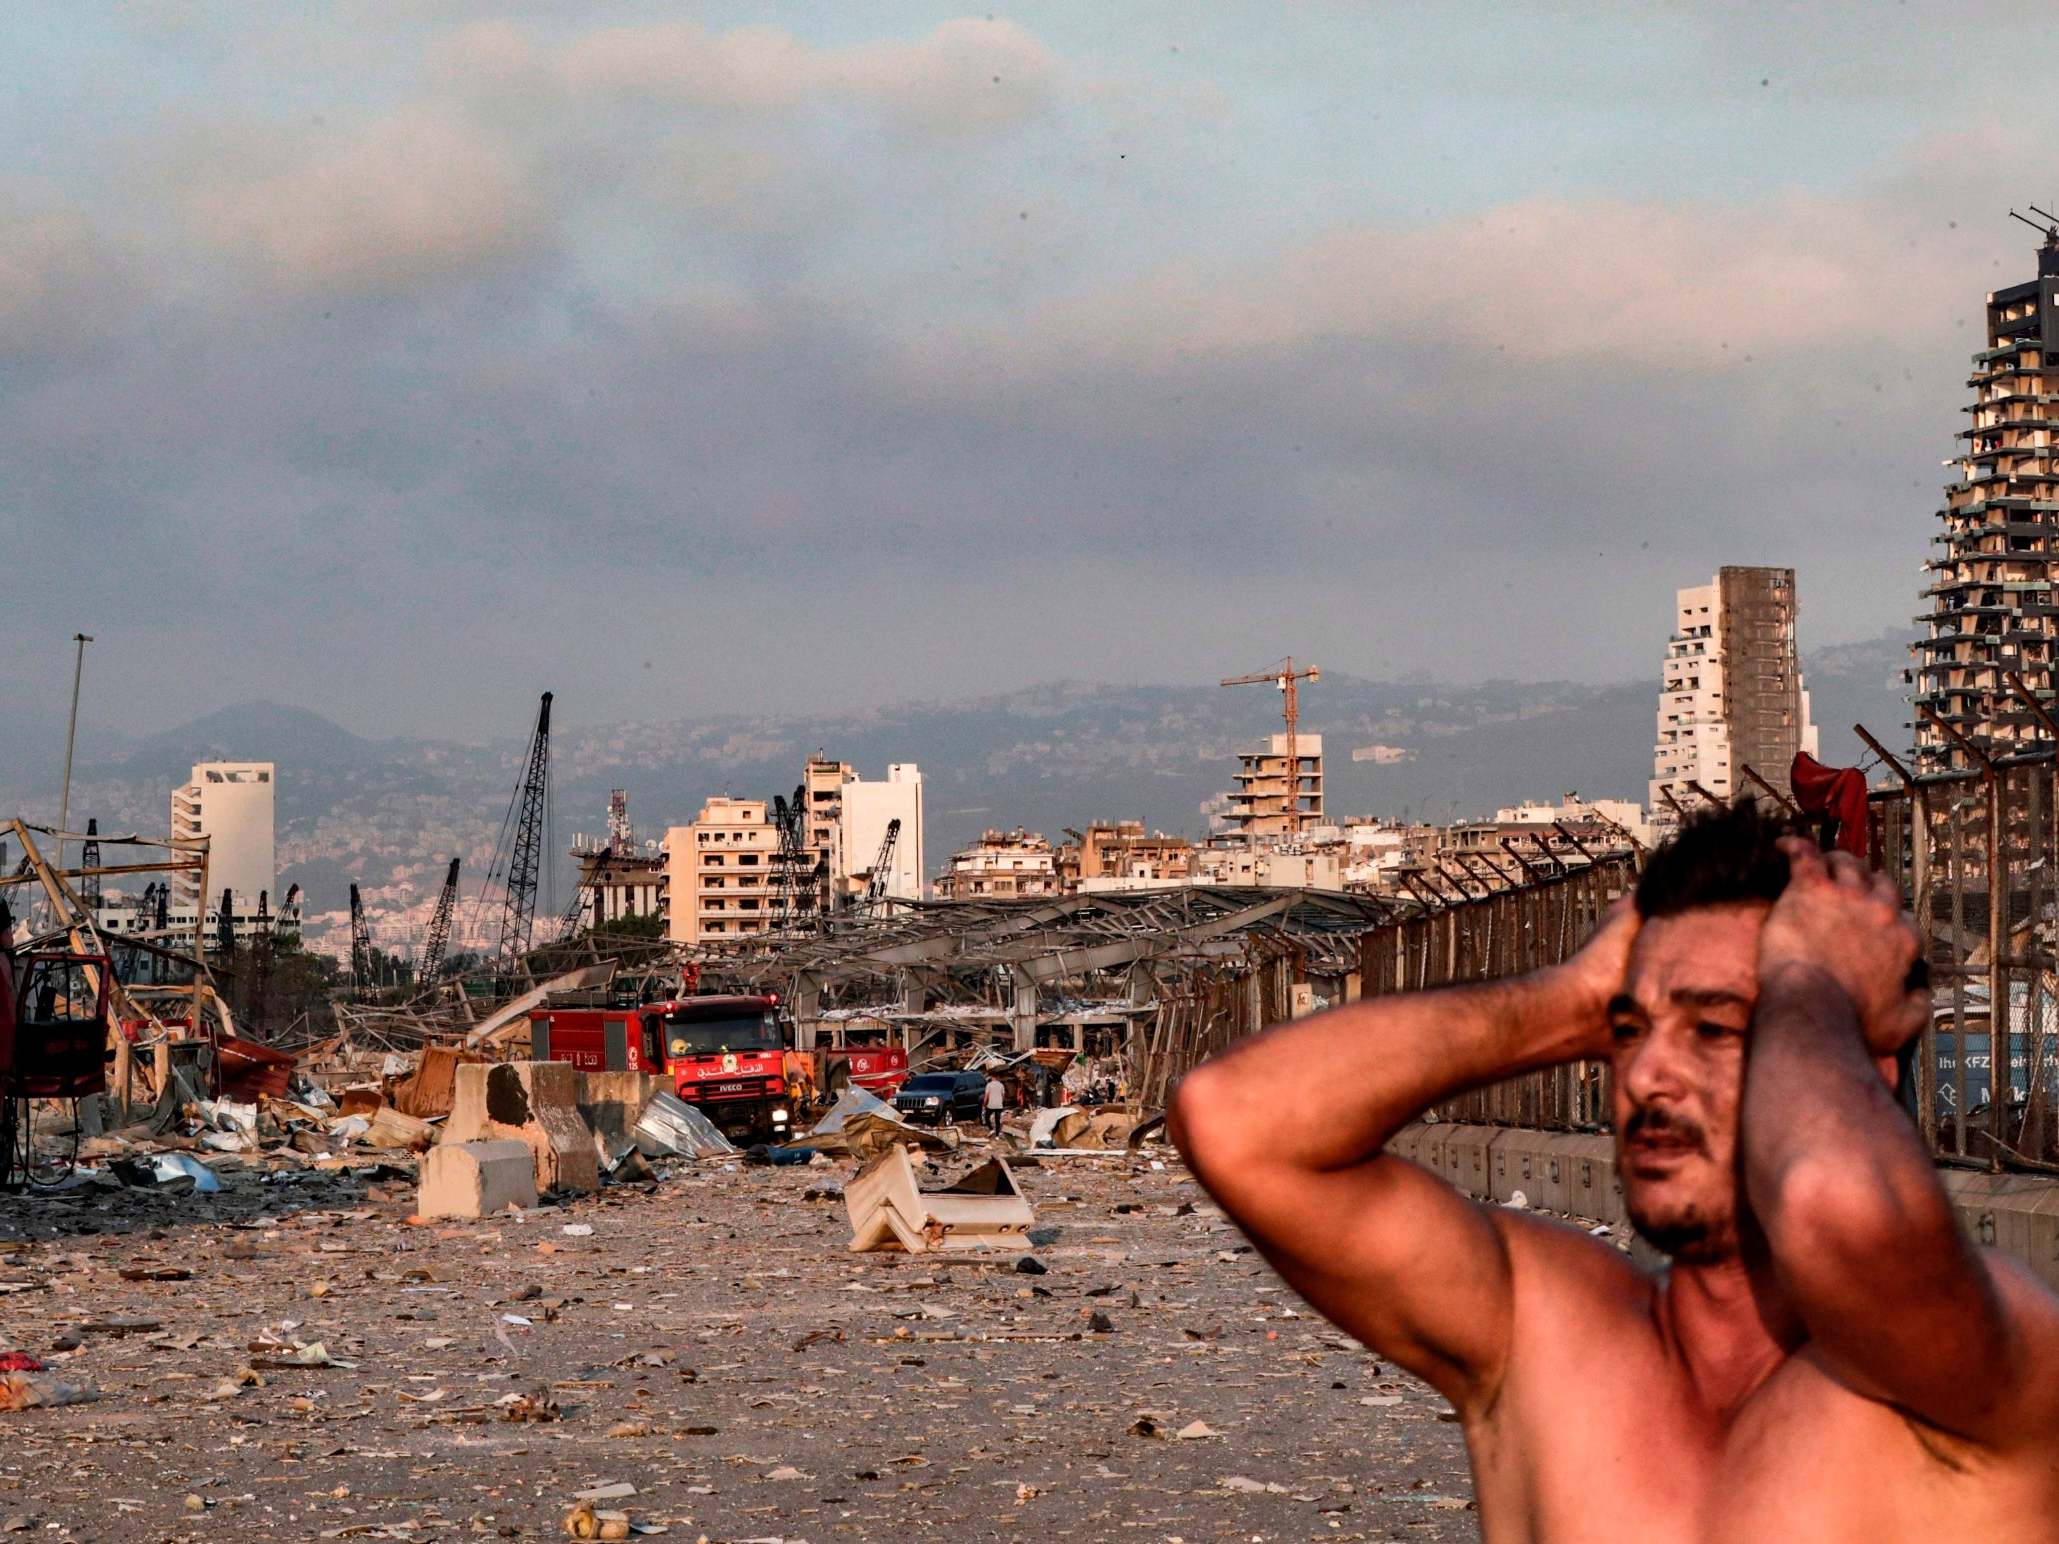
[[1828, 1357], [6, 988], [993, 1099]]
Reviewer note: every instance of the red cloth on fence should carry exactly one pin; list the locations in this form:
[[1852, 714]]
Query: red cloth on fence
[[1839, 792]]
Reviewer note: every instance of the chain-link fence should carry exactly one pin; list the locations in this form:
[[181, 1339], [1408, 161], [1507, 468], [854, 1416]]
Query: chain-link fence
[[1975, 854], [1483, 938]]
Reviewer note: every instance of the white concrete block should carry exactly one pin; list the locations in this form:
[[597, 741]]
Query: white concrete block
[[476, 1179]]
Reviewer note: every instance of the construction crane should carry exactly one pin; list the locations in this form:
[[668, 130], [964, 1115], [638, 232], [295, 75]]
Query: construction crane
[[526, 814], [439, 931], [575, 911], [144, 969], [882, 866], [360, 948], [1288, 682]]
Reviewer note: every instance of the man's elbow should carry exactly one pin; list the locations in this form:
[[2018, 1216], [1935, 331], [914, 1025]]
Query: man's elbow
[[1202, 1120]]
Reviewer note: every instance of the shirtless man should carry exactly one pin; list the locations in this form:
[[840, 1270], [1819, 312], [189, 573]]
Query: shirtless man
[[1827, 1358]]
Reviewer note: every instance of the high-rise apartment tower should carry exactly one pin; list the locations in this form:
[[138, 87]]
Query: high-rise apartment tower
[[231, 804], [1733, 694], [1992, 608]]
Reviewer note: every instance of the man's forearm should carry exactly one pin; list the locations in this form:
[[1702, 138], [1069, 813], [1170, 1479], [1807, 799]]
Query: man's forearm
[[1863, 1239], [1328, 1091], [1813, 1096]]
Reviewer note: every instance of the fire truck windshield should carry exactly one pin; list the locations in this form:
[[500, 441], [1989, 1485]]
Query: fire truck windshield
[[686, 1036]]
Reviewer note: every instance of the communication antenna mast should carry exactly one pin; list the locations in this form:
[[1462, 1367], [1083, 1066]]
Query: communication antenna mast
[[621, 837]]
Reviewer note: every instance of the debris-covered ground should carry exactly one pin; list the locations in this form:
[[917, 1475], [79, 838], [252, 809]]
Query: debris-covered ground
[[293, 1359]]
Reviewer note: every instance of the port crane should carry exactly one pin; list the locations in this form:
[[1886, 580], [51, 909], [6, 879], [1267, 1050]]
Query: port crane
[[882, 868], [527, 812], [439, 931], [360, 948]]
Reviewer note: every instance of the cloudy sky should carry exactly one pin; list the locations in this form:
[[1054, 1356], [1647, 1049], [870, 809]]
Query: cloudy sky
[[404, 359]]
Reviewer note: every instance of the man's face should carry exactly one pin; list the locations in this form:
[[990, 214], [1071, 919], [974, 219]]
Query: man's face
[[1679, 1027]]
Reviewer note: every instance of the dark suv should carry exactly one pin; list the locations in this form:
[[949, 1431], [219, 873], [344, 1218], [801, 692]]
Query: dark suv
[[940, 1098]]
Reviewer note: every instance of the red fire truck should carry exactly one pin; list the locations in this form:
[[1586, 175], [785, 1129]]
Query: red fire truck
[[723, 1054], [727, 1055]]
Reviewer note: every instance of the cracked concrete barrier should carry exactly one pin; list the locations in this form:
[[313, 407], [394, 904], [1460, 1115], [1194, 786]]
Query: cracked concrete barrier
[[476, 1179], [2017, 1214], [536, 1104], [611, 1103]]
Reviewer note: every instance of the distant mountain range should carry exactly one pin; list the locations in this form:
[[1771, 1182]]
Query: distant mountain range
[[388, 814]]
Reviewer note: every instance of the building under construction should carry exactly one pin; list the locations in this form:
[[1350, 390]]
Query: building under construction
[[1991, 592]]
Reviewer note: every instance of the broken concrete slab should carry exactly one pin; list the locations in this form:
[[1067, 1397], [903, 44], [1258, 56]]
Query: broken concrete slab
[[611, 1103], [984, 1209], [476, 1179]]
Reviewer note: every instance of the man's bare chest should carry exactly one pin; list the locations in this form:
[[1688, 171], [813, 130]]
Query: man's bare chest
[[1629, 1450]]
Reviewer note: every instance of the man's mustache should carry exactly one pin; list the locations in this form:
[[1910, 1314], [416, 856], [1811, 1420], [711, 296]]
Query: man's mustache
[[1661, 1124]]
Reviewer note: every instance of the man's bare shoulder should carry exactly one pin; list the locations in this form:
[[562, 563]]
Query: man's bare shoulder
[[2032, 1310], [1547, 1254]]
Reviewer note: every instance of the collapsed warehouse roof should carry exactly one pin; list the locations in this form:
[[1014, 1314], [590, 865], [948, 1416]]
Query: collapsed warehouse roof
[[964, 951]]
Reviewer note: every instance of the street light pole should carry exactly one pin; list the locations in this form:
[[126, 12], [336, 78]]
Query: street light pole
[[70, 734]]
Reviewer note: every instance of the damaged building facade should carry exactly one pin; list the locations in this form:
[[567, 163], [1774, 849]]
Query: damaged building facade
[[1732, 694]]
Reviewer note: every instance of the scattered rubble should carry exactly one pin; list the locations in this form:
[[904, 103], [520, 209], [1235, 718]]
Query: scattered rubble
[[297, 1354]]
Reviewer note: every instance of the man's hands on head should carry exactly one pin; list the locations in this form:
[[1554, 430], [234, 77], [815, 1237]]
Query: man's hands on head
[[1593, 977], [1841, 921]]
